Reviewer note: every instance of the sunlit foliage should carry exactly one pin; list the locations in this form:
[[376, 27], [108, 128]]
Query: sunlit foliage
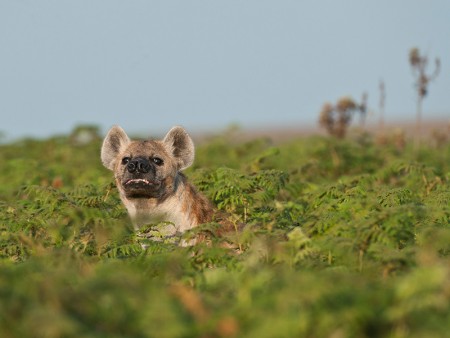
[[337, 238]]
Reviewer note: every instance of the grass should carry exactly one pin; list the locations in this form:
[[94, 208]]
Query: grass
[[342, 238]]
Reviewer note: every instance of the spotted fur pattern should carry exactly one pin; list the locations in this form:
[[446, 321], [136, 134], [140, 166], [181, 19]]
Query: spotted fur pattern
[[150, 180]]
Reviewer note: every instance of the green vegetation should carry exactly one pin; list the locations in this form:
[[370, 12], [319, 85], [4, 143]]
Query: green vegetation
[[342, 238]]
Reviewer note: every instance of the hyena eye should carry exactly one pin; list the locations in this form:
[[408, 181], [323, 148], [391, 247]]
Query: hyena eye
[[125, 160], [157, 161]]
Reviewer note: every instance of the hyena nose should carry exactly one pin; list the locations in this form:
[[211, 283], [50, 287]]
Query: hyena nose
[[141, 165], [131, 166]]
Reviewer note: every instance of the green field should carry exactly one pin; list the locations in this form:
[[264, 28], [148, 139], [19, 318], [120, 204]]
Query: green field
[[342, 238]]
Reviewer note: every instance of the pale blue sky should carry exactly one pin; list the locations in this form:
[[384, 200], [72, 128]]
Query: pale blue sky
[[148, 65]]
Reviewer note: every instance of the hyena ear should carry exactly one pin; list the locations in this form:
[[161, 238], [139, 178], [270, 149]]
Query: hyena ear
[[114, 143], [180, 145]]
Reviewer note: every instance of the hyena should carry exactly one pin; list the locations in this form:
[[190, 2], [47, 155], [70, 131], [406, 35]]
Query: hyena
[[150, 181]]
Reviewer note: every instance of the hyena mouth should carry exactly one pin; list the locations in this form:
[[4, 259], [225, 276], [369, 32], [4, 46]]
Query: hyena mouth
[[140, 182]]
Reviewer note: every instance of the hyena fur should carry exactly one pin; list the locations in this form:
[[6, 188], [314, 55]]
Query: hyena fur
[[150, 181]]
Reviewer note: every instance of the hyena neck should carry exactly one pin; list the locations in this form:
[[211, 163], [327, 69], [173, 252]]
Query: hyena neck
[[185, 207]]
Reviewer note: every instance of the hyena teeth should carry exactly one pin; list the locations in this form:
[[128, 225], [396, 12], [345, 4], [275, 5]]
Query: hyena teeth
[[139, 180]]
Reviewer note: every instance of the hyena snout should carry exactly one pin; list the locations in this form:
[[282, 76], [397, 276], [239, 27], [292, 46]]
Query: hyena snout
[[139, 165]]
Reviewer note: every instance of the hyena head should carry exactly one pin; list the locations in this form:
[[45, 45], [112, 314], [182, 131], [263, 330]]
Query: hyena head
[[149, 168]]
